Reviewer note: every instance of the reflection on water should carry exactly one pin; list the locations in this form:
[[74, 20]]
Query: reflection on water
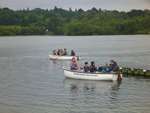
[[116, 85], [78, 86], [96, 96]]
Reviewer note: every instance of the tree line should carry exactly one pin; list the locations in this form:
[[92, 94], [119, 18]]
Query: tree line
[[59, 21]]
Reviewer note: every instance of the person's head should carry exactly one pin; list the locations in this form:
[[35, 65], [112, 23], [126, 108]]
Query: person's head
[[73, 59], [86, 63], [112, 61], [92, 63], [65, 49], [106, 64]]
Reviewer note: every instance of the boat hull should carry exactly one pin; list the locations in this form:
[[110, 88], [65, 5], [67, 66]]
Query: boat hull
[[91, 76], [55, 57]]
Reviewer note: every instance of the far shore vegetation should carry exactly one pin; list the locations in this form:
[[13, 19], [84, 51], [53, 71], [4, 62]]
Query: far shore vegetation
[[59, 21]]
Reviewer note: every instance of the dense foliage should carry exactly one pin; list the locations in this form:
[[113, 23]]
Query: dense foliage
[[68, 22]]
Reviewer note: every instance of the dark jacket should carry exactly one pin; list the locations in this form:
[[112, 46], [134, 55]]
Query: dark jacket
[[93, 68], [86, 68]]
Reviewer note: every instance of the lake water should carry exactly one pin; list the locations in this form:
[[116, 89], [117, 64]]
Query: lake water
[[31, 83]]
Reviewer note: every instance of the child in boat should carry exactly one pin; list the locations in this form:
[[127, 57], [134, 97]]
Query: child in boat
[[105, 68], [100, 68], [86, 67], [74, 64], [93, 67]]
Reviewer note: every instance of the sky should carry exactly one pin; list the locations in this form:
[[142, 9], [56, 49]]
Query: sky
[[121, 5]]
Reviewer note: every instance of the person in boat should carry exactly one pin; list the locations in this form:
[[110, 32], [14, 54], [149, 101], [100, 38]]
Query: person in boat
[[114, 66], [100, 68], [86, 67], [65, 51], [61, 52], [106, 68], [54, 52], [93, 67], [73, 53], [74, 64], [58, 52]]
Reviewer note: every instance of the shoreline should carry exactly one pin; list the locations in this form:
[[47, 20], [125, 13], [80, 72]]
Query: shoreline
[[75, 35]]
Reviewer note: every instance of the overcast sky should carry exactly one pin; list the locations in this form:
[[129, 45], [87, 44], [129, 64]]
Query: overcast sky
[[122, 5]]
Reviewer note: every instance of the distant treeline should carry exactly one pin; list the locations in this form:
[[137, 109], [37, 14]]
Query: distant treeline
[[59, 21]]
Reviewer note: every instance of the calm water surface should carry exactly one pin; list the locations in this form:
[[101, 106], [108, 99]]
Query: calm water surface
[[30, 83]]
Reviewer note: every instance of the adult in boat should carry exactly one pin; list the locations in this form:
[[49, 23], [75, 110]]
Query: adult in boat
[[86, 67], [74, 64], [65, 51], [73, 53], [114, 66], [61, 52], [93, 67], [54, 52], [58, 52]]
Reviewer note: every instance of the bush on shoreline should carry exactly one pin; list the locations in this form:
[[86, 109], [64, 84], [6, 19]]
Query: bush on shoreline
[[58, 21]]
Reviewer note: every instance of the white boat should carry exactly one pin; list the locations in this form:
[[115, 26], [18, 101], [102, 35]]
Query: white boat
[[92, 76], [56, 57]]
